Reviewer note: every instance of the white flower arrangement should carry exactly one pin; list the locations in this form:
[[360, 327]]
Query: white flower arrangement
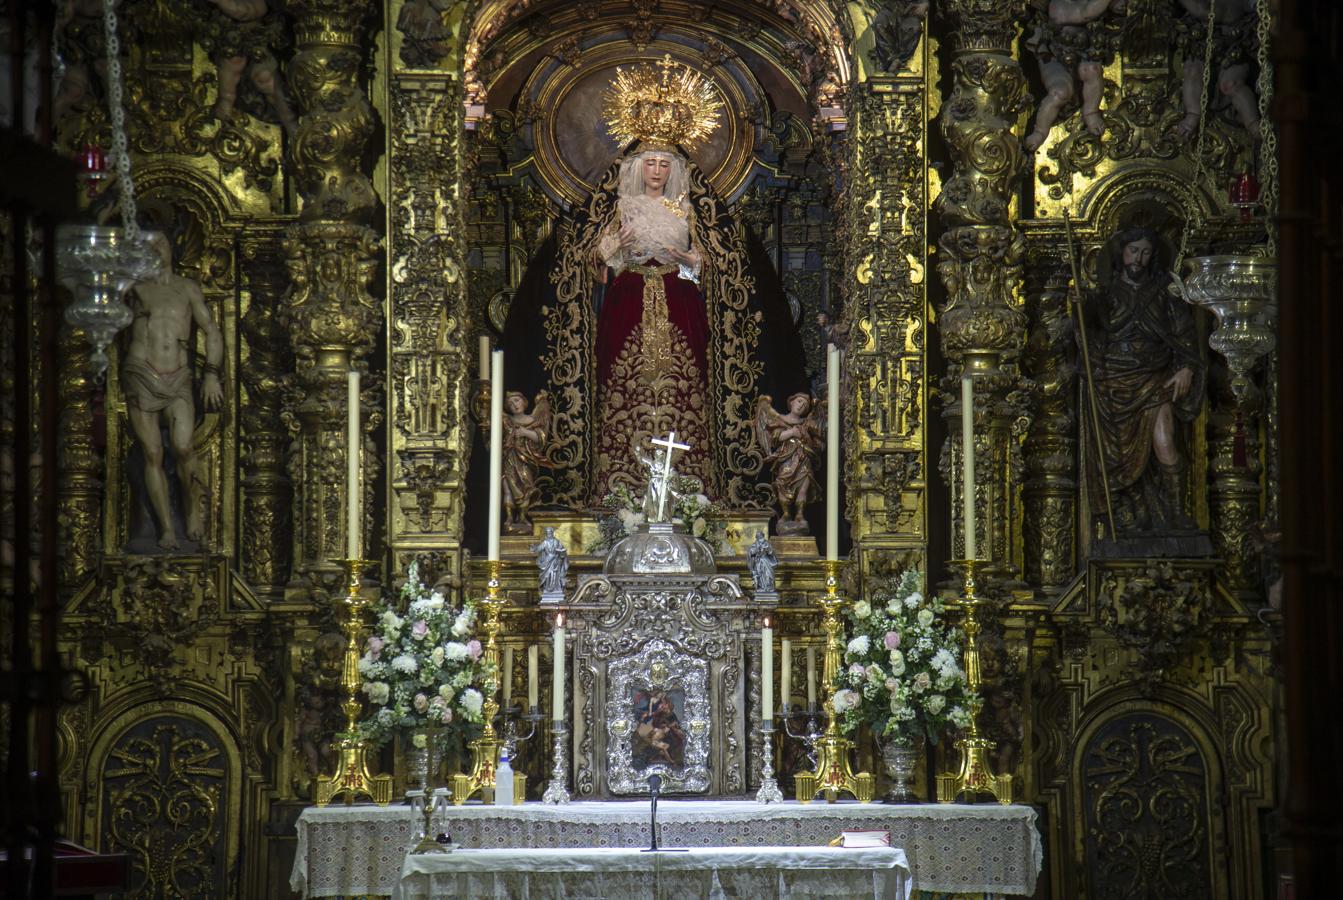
[[902, 674], [414, 666]]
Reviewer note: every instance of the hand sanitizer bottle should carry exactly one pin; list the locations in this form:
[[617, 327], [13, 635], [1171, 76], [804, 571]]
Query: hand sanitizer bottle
[[503, 781]]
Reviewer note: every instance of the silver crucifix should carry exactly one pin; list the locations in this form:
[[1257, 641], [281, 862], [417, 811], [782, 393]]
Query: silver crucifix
[[669, 442]]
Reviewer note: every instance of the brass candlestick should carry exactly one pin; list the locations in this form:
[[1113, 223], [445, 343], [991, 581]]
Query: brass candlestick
[[975, 775], [834, 773], [485, 749], [352, 777]]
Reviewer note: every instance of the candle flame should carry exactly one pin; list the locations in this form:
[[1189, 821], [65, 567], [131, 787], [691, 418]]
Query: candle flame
[[559, 620], [766, 621]]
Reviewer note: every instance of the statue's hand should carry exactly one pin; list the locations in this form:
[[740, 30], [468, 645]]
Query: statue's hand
[[212, 393], [1180, 382]]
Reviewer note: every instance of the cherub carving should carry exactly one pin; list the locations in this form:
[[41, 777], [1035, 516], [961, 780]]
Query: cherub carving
[[526, 449], [1234, 44], [241, 36], [1073, 40], [791, 442]]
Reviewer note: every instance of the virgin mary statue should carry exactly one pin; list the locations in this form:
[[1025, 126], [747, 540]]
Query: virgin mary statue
[[658, 313]]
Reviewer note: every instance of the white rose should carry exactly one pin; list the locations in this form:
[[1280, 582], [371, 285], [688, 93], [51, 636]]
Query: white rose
[[914, 599], [378, 692], [445, 691], [461, 626], [897, 663], [698, 526], [862, 609], [935, 703], [893, 608], [437, 656], [846, 700]]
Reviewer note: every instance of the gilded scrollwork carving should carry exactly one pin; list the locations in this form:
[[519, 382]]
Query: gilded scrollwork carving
[[160, 604], [1157, 609]]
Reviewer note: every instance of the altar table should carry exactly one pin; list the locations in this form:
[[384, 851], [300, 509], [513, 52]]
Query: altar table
[[954, 848], [624, 874]]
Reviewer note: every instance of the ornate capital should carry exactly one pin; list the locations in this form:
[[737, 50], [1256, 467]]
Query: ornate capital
[[984, 26], [329, 311]]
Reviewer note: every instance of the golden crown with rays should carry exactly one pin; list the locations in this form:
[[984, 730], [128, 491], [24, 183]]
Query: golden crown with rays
[[661, 109]]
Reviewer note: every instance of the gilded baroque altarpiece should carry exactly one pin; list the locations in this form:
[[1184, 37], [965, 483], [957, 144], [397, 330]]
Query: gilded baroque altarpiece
[[875, 149]]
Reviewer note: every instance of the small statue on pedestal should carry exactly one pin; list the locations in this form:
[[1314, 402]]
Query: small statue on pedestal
[[791, 442], [552, 559], [762, 560]]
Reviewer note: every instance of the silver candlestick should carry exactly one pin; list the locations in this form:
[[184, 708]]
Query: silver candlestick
[[511, 735], [769, 788], [557, 791]]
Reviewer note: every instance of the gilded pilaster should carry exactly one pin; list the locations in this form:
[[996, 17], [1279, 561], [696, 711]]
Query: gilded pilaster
[[982, 324], [887, 306], [332, 255], [267, 490], [430, 348], [80, 488]]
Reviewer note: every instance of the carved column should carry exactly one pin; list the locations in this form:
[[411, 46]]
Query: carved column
[[332, 256], [266, 549], [982, 325], [1049, 542], [80, 487]]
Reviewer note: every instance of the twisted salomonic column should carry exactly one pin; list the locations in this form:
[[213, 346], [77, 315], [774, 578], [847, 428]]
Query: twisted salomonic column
[[265, 553], [332, 255], [982, 325], [80, 487], [1049, 493]]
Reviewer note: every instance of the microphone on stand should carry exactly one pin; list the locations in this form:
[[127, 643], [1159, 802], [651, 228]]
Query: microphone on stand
[[654, 785], [654, 788]]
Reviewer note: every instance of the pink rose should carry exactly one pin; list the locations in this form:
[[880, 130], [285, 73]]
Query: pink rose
[[447, 715], [421, 703], [420, 630], [892, 640], [858, 670], [473, 649], [375, 645]]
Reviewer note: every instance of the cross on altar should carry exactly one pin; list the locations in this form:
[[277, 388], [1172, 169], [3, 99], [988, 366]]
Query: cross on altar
[[670, 443]]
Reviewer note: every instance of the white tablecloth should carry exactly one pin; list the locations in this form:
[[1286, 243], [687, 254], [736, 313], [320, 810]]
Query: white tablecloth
[[620, 874], [953, 848]]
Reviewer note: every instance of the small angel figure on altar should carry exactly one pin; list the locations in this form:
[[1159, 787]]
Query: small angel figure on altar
[[791, 441], [526, 439]]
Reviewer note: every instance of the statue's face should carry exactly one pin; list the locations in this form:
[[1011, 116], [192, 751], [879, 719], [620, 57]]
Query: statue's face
[[799, 405], [516, 404], [656, 169], [1138, 259]]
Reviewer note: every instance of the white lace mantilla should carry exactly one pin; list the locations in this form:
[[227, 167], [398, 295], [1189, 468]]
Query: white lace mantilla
[[950, 848], [718, 873]]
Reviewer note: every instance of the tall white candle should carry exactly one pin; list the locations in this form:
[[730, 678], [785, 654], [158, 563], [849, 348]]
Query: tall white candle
[[483, 364], [811, 677], [531, 675], [353, 506], [507, 676], [496, 449], [557, 673], [832, 453], [786, 672], [968, 463], [767, 672]]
